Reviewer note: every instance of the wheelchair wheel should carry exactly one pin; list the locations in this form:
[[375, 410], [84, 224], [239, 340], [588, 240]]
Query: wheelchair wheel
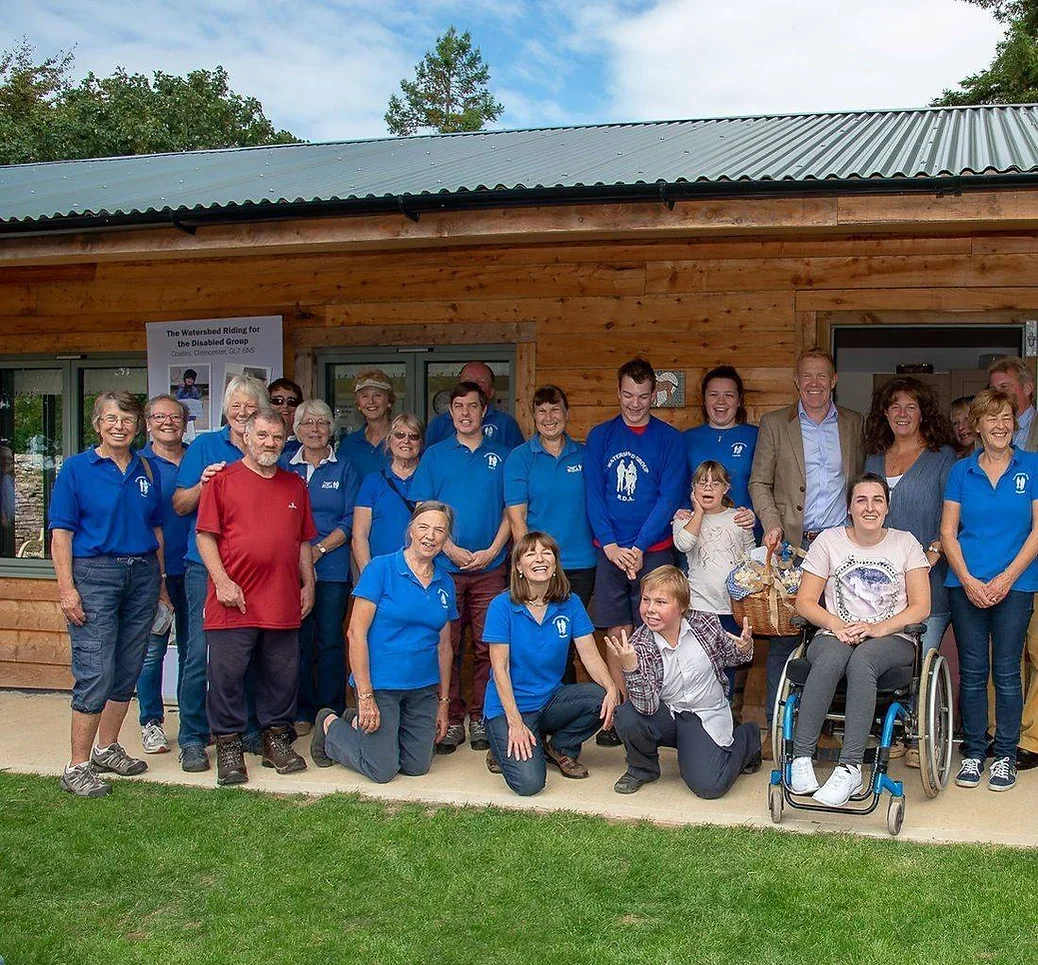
[[775, 802], [895, 815], [934, 714], [781, 694]]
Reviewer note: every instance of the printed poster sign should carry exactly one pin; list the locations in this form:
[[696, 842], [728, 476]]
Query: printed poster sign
[[193, 361]]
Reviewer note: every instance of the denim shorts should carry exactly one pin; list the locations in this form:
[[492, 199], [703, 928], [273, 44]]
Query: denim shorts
[[119, 595]]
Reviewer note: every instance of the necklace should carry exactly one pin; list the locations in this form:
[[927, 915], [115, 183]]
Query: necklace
[[898, 463]]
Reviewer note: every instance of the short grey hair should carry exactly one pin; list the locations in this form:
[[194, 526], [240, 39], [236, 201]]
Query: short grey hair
[[265, 413], [311, 408], [246, 385], [165, 397], [433, 506]]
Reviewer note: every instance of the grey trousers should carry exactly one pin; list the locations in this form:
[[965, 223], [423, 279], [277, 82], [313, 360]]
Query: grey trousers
[[862, 665], [403, 743]]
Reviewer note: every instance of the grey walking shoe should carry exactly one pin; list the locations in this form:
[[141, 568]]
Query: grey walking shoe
[[113, 758], [82, 780], [478, 736], [194, 759], [153, 738], [455, 735]]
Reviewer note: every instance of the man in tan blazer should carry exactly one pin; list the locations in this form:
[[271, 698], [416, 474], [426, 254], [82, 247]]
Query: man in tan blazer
[[806, 455]]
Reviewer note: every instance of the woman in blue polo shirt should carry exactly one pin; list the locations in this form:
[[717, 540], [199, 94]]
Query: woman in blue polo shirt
[[400, 653], [105, 520], [333, 487], [384, 503], [989, 534], [532, 718]]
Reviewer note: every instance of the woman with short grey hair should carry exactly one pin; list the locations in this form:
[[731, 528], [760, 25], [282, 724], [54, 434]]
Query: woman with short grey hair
[[400, 653]]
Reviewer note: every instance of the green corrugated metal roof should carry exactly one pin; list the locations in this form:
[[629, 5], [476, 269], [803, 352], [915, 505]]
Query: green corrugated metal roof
[[789, 150]]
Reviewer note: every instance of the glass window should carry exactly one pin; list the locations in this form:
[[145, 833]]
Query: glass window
[[441, 377], [341, 378], [94, 381], [31, 429]]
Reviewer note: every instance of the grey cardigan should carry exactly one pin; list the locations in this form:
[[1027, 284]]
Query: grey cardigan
[[916, 505]]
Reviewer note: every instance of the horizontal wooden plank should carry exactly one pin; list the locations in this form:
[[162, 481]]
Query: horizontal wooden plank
[[980, 207], [17, 299], [501, 333], [30, 615], [34, 646], [1004, 243], [951, 301], [33, 274], [35, 676], [12, 588], [718, 347], [75, 342]]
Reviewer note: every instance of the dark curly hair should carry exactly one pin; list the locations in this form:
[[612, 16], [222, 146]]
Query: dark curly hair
[[934, 425]]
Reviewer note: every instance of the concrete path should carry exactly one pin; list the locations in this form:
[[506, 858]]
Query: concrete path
[[34, 739]]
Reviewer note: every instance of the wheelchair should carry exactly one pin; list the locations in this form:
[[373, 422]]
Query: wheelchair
[[913, 704]]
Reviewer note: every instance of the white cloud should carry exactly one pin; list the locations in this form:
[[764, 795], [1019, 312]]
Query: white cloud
[[692, 58]]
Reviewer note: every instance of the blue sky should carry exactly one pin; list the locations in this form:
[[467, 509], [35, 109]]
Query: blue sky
[[325, 70]]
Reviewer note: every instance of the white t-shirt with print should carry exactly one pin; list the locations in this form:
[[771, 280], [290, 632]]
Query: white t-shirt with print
[[865, 583]]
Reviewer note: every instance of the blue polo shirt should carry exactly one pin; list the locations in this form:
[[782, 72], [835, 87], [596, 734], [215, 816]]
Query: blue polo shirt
[[384, 493], [404, 636], [552, 488], [498, 426], [108, 512], [537, 652], [174, 528], [361, 454], [994, 521], [472, 484], [733, 448], [207, 448], [333, 491]]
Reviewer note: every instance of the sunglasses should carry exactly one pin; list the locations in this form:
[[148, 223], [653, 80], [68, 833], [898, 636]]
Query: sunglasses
[[284, 400], [413, 436]]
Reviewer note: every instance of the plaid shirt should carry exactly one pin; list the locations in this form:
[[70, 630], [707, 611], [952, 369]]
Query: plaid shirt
[[645, 682]]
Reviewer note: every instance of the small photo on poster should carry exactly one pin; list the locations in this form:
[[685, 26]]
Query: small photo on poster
[[189, 384], [231, 369]]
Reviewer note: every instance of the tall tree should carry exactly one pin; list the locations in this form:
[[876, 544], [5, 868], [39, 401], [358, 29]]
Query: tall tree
[[1012, 77], [449, 92], [45, 117]]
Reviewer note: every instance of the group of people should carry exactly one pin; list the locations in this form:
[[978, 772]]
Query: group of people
[[251, 539]]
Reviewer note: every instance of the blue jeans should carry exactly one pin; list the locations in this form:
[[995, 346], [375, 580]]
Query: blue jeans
[[1005, 626], [936, 624], [403, 743], [119, 595], [570, 718], [149, 684], [191, 685], [322, 652]]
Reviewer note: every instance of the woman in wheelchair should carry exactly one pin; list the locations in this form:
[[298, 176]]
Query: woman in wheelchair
[[875, 583]]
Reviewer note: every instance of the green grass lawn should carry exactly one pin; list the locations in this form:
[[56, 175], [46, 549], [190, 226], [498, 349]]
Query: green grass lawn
[[164, 875]]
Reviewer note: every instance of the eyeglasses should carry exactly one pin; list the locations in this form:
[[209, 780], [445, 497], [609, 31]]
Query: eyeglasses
[[119, 420], [284, 400], [166, 417], [401, 435], [315, 424]]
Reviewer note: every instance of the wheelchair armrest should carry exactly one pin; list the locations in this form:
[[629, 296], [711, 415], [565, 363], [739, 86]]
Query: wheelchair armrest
[[915, 629]]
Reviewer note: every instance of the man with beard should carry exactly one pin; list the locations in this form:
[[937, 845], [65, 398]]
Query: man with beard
[[254, 530]]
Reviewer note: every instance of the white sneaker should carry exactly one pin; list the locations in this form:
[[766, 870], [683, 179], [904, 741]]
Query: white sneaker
[[153, 738], [802, 779], [843, 784]]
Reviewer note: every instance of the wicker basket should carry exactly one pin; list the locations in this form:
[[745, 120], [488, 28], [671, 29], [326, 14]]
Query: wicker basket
[[769, 609]]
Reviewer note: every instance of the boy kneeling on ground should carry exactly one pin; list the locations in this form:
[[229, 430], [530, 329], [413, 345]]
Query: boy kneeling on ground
[[677, 692]]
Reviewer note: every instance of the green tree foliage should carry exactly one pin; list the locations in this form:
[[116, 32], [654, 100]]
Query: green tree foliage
[[449, 92], [1012, 77], [45, 117]]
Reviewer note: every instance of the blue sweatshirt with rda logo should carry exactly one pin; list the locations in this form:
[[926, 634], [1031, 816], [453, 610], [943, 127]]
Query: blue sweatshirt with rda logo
[[635, 482]]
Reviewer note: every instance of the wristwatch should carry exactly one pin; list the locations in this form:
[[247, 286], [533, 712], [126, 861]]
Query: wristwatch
[[934, 547], [321, 549]]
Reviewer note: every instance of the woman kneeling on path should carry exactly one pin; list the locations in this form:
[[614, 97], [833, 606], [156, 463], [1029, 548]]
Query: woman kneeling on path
[[676, 686], [532, 717], [400, 652]]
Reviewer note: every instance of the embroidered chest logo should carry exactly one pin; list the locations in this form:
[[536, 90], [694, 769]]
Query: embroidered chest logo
[[562, 626], [292, 506], [493, 459], [579, 467], [442, 594], [738, 448], [489, 430], [628, 468], [330, 484], [1020, 481], [143, 485]]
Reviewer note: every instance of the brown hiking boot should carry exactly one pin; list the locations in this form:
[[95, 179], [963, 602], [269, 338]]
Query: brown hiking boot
[[278, 752], [230, 760], [566, 765]]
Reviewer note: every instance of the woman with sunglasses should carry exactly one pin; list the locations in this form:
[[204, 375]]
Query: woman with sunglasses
[[333, 489], [384, 503]]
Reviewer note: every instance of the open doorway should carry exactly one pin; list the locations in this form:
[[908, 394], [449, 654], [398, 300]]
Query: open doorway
[[951, 358]]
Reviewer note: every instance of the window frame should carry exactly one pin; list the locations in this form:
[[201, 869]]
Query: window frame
[[71, 367]]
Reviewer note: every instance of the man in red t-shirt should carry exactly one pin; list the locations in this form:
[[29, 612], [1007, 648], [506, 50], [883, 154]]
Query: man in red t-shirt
[[254, 531]]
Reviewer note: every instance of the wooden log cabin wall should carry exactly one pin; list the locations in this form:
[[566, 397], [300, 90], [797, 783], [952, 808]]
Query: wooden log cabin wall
[[577, 289]]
